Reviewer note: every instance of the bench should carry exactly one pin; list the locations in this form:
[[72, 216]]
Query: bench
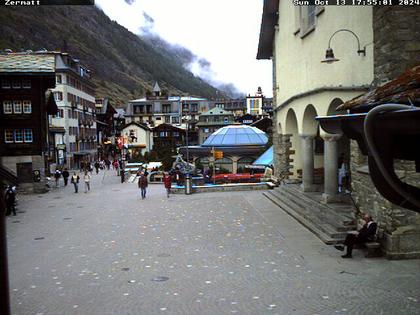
[[373, 247]]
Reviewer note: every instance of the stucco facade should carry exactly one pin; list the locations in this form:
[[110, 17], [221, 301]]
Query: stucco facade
[[305, 88]]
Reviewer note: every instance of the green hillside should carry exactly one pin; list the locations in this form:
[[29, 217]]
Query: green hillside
[[124, 66]]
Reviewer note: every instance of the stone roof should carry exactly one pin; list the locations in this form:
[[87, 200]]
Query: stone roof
[[27, 63], [404, 89]]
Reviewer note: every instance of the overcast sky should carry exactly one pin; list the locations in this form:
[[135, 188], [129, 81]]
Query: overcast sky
[[224, 32]]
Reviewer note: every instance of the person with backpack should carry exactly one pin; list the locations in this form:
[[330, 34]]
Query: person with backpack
[[75, 181]]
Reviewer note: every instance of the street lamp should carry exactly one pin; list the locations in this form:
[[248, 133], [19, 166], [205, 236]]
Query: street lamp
[[186, 130], [329, 54], [187, 167]]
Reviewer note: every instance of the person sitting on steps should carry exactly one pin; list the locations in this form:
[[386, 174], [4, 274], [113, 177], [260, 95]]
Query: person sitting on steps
[[365, 234]]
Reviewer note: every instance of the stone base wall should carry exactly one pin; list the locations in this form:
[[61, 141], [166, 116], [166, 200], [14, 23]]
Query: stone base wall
[[399, 227], [37, 164], [396, 40], [281, 156]]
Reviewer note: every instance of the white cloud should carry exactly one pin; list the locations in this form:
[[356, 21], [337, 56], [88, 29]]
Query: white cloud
[[224, 32]]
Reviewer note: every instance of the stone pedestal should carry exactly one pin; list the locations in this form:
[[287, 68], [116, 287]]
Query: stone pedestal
[[308, 162], [330, 169]]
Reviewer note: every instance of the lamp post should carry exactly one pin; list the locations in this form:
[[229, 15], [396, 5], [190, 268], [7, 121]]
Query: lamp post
[[187, 167], [329, 54]]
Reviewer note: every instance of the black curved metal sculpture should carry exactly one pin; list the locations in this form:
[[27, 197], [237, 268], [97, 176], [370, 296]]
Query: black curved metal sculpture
[[385, 133]]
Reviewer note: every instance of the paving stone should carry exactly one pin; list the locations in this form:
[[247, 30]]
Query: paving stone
[[213, 253]]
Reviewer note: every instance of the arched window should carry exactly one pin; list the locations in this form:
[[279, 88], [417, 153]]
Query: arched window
[[224, 165], [242, 163]]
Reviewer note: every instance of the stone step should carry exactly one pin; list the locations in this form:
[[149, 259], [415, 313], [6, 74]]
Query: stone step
[[312, 211], [333, 230], [323, 236], [333, 215]]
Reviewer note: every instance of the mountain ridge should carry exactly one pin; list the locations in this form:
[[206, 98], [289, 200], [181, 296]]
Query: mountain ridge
[[124, 65]]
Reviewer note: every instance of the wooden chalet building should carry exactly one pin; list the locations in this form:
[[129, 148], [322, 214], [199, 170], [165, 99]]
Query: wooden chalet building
[[166, 135], [25, 79]]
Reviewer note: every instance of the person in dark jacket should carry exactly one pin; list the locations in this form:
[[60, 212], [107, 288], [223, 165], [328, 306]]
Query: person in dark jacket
[[167, 181], [97, 167], [66, 175], [57, 176], [10, 200], [365, 234], [143, 184], [122, 174]]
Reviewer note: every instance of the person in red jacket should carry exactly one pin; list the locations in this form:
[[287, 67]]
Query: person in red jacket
[[167, 181]]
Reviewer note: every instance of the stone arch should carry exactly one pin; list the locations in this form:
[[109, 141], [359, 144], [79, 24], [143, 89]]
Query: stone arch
[[224, 163], [309, 124], [203, 161], [242, 162], [343, 143], [292, 130], [333, 105]]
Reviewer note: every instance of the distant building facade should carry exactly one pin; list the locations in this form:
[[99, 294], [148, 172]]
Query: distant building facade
[[25, 107], [75, 96], [211, 121], [255, 103], [139, 138], [157, 108], [166, 135], [236, 106]]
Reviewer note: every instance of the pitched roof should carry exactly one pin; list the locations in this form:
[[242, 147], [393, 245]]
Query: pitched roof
[[405, 89], [268, 22], [156, 88], [216, 111], [27, 63], [141, 125]]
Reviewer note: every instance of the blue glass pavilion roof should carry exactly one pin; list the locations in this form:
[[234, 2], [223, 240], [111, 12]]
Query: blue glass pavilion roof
[[236, 135], [266, 158]]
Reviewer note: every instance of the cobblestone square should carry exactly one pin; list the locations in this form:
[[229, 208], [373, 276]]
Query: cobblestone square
[[109, 252]]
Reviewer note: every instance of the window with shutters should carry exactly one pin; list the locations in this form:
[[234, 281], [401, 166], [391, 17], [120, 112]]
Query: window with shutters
[[306, 19]]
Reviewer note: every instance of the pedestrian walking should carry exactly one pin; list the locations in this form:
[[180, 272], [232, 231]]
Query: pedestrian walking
[[97, 167], [66, 175], [75, 181], [10, 199], [143, 185], [57, 176], [122, 174], [167, 181], [86, 179]]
